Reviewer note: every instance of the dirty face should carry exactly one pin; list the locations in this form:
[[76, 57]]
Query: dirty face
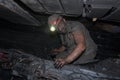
[[61, 27]]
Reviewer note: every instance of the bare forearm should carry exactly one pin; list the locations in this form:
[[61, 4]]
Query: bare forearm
[[75, 53]]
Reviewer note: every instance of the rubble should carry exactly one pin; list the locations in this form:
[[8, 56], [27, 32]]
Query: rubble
[[34, 68]]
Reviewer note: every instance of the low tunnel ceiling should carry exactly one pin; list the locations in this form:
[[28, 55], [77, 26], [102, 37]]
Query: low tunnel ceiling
[[26, 11]]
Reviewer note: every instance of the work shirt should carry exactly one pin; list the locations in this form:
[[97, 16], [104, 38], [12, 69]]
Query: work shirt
[[68, 41]]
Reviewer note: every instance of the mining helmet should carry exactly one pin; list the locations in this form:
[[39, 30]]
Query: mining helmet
[[53, 21]]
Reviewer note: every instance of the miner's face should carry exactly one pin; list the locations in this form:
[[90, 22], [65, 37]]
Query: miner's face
[[61, 27], [57, 25]]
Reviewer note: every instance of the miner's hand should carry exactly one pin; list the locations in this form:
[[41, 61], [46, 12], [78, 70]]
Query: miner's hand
[[55, 51], [59, 63], [58, 50]]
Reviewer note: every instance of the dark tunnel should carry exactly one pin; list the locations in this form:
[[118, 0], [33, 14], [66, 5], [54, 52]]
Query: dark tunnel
[[39, 41], [26, 42]]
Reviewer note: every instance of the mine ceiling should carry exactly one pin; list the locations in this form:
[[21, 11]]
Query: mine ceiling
[[31, 12]]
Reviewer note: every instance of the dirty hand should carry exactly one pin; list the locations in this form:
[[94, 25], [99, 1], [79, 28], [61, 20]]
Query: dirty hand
[[58, 50], [59, 63], [55, 51]]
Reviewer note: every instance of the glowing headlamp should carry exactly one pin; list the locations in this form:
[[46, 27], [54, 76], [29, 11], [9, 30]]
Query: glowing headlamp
[[52, 28], [54, 24]]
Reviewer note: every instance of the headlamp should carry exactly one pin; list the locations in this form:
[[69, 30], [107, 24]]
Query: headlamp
[[54, 24], [52, 28]]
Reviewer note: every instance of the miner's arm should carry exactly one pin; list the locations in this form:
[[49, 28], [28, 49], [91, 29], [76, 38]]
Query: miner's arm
[[80, 47]]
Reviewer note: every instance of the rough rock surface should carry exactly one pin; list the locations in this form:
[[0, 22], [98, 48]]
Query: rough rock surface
[[35, 68]]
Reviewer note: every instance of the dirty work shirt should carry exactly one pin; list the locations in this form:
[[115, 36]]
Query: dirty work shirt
[[69, 42]]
